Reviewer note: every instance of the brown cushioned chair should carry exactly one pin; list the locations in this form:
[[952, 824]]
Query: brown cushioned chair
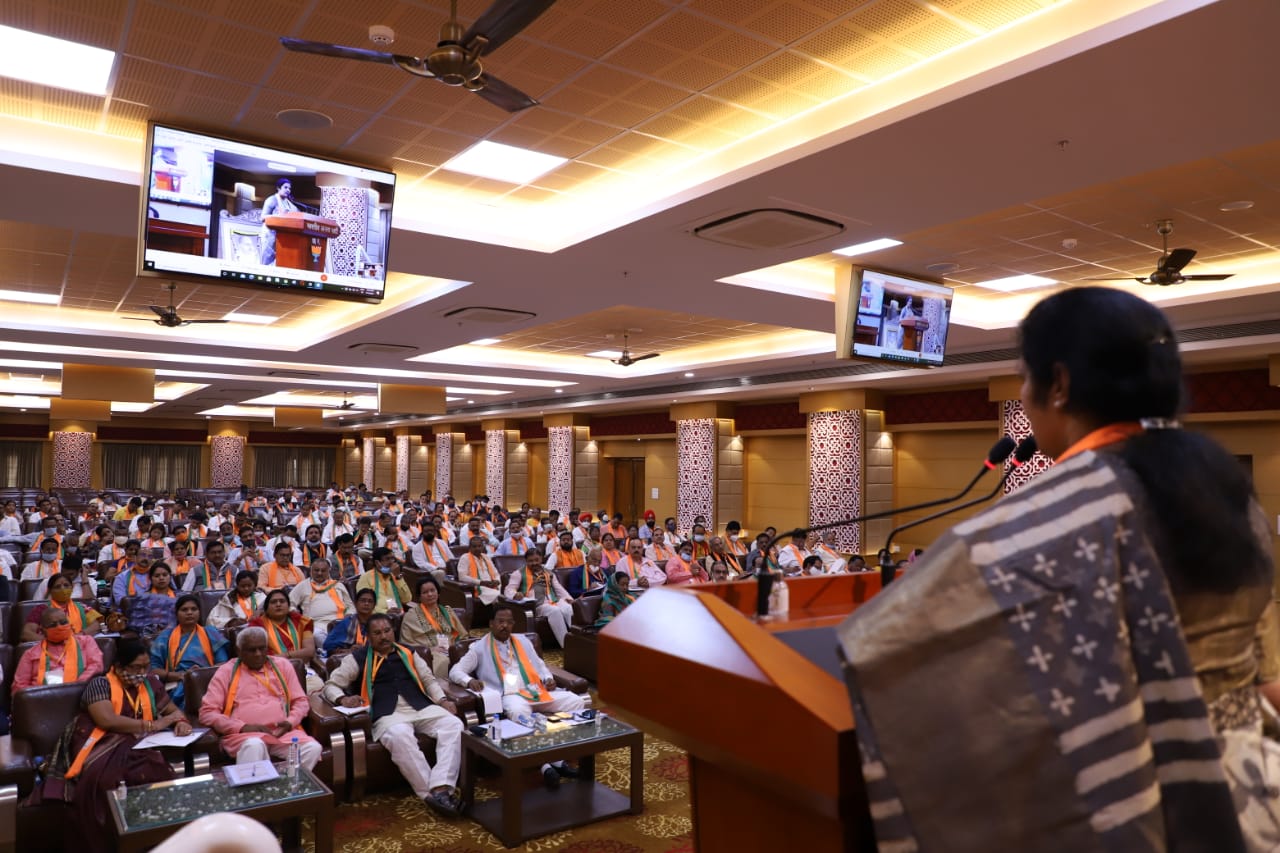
[[323, 723], [581, 643], [107, 645], [565, 680]]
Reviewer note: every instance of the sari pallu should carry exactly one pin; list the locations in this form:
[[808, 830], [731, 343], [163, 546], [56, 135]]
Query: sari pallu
[[1072, 717]]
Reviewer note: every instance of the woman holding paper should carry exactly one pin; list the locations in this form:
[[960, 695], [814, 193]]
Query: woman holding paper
[[187, 645], [95, 753], [433, 625]]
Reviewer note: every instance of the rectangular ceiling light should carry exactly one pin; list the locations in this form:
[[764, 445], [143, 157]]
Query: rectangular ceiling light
[[24, 296], [1012, 283], [605, 353], [54, 62], [486, 342], [503, 162], [255, 319], [868, 247]]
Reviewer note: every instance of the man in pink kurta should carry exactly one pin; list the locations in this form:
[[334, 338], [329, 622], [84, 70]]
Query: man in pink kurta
[[268, 706]]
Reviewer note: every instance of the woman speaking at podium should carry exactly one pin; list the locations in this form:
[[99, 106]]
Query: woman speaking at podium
[[279, 202], [1079, 666]]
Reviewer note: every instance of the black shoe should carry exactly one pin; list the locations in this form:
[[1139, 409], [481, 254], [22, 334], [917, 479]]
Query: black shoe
[[565, 770], [442, 802], [551, 778]]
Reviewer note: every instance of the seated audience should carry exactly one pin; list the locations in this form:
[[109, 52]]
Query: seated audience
[[321, 599], [610, 555], [150, 612], [433, 625], [386, 579], [552, 601], [83, 618], [216, 572], [62, 654], [590, 578], [431, 552], [259, 716], [346, 562], [187, 645], [180, 564], [833, 562], [563, 554], [617, 595], [791, 558], [281, 571], [476, 569], [240, 604], [404, 698], [720, 552], [719, 573], [507, 663], [116, 711], [643, 572], [658, 549], [289, 633], [679, 569], [352, 630], [133, 574], [48, 564]]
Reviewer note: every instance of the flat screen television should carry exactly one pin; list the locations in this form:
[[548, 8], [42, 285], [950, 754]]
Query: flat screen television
[[219, 209], [892, 317]]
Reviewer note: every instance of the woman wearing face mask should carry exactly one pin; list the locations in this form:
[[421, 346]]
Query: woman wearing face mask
[[152, 611], [185, 646], [96, 754], [82, 617], [240, 604]]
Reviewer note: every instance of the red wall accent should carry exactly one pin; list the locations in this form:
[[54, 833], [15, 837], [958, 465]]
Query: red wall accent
[[24, 431], [473, 432], [632, 423], [1232, 391], [940, 407], [313, 439], [532, 429], [158, 435], [769, 416]]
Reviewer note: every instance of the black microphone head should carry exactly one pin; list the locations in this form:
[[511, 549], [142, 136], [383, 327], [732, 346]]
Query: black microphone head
[[1000, 451], [1026, 449]]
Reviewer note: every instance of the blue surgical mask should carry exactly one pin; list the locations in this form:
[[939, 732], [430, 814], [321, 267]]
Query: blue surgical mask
[[386, 570]]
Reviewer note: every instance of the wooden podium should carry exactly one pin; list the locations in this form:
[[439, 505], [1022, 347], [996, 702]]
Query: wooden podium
[[759, 706], [302, 239]]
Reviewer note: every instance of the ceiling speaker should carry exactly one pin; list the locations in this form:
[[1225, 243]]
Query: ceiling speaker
[[487, 314], [768, 228]]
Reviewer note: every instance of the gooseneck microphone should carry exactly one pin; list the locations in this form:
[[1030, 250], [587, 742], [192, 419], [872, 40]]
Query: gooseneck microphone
[[1024, 451]]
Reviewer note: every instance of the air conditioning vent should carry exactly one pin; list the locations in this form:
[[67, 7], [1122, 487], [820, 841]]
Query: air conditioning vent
[[486, 314], [292, 374], [376, 346], [768, 228]]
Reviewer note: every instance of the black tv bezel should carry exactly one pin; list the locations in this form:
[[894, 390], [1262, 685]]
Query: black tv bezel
[[144, 195]]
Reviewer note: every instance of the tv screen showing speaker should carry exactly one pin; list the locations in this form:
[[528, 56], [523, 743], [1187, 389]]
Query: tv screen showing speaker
[[244, 213], [894, 317]]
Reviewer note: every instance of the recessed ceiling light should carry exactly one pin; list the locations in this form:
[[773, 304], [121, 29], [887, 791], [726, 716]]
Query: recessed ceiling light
[[605, 353], [471, 402], [54, 62], [559, 390], [486, 342], [1228, 206], [24, 296], [688, 374], [501, 162], [256, 319], [1011, 283], [868, 247]]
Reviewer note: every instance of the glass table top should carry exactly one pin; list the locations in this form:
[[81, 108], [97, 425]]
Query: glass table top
[[560, 734], [184, 800]]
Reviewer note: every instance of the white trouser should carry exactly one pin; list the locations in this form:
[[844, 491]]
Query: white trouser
[[398, 732], [559, 615], [561, 700], [255, 749]]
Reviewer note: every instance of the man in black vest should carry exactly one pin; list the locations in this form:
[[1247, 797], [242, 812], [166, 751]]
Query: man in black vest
[[404, 698]]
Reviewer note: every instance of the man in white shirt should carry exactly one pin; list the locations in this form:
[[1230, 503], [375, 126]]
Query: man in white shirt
[[643, 572], [46, 565], [507, 663], [833, 562], [536, 582], [791, 558], [321, 599], [658, 549], [430, 552]]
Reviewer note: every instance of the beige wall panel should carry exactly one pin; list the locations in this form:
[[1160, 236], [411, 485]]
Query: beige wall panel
[[776, 482]]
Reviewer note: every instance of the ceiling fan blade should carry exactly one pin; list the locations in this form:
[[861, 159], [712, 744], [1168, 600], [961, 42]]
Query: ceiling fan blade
[[343, 52], [163, 312], [635, 358], [143, 319], [191, 322], [1113, 278], [504, 20], [1208, 277], [1177, 259], [503, 95]]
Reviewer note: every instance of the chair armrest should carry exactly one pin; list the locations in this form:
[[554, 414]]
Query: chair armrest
[[469, 710], [17, 765], [567, 680], [323, 720]]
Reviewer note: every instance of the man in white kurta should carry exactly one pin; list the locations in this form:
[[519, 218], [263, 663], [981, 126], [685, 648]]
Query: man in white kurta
[[643, 572], [321, 599], [476, 569], [543, 587], [403, 703]]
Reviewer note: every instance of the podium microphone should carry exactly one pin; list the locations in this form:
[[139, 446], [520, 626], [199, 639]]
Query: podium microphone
[[996, 457], [1024, 451]]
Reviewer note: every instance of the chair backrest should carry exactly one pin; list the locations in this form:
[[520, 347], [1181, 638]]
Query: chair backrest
[[508, 563], [458, 649], [209, 599], [195, 682], [586, 610], [562, 575], [106, 645], [40, 714], [8, 665], [27, 589]]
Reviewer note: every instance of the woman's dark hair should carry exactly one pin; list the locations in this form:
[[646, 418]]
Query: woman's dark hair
[[1122, 359], [129, 649], [427, 579], [246, 573], [183, 599], [160, 564], [280, 592]]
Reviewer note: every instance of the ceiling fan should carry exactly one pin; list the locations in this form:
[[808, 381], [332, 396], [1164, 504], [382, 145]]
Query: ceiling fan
[[168, 314], [627, 359], [455, 61], [1169, 268], [345, 406]]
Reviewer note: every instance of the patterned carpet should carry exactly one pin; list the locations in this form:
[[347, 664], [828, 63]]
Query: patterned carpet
[[399, 823]]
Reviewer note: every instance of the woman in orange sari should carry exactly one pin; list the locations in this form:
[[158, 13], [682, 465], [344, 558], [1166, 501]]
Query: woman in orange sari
[[289, 633], [433, 625], [610, 555]]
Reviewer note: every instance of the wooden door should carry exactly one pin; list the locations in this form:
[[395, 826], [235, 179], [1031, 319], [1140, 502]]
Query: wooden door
[[628, 488]]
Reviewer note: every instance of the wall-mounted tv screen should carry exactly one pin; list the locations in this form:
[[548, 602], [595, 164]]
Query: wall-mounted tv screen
[[893, 317], [244, 213]]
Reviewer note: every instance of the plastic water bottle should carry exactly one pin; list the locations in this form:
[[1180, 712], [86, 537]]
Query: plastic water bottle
[[295, 762], [122, 793]]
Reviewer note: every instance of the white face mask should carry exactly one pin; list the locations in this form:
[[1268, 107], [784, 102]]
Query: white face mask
[[120, 540]]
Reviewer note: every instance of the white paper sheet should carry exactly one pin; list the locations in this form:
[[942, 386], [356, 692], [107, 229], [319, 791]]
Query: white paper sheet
[[350, 712], [510, 728], [491, 699], [250, 774], [168, 738]]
